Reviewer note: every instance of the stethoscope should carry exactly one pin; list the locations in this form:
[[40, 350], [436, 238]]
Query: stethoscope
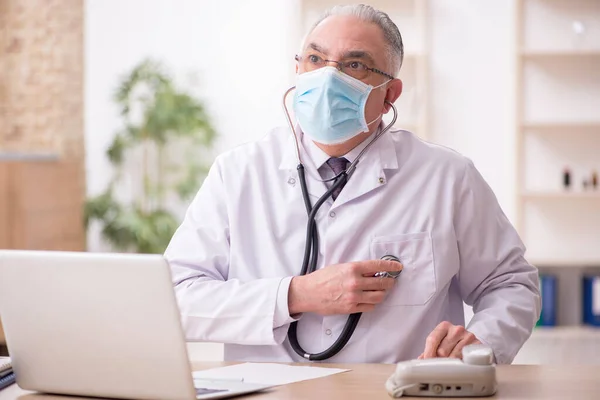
[[311, 249]]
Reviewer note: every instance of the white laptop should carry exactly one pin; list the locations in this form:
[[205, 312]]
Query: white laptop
[[102, 325]]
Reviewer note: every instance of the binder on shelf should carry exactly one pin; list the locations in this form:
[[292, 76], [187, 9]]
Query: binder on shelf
[[7, 376], [548, 289], [7, 380], [5, 364], [5, 372], [591, 300]]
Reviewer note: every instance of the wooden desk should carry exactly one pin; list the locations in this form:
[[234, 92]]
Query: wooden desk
[[365, 381]]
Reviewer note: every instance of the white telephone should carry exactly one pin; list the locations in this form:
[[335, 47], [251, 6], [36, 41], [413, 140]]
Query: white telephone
[[474, 376]]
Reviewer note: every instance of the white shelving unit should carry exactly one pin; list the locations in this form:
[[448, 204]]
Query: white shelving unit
[[565, 126], [411, 16], [558, 127], [588, 195], [564, 264], [559, 54]]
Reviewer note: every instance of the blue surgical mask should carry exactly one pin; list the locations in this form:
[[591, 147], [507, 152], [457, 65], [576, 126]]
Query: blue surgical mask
[[330, 105]]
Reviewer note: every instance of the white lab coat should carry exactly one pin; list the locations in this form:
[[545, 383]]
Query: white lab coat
[[243, 239]]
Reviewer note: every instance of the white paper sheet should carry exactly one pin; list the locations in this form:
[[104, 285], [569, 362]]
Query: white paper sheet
[[265, 373]]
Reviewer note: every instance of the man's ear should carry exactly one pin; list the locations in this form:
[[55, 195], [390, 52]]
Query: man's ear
[[394, 91]]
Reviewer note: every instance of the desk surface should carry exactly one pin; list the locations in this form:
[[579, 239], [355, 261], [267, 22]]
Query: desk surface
[[365, 381]]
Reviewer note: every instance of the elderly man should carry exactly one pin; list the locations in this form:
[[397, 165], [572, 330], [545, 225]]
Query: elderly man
[[406, 231]]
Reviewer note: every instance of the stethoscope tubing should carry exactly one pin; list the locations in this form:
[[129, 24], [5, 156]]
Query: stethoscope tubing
[[311, 249]]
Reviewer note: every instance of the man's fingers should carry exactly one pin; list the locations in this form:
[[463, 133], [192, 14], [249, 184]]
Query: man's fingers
[[420, 357], [372, 297], [457, 352], [447, 345], [434, 339], [447, 340], [385, 265], [377, 283], [469, 338], [370, 267]]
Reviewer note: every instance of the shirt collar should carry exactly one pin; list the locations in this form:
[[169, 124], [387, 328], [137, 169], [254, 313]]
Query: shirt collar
[[319, 157], [385, 149]]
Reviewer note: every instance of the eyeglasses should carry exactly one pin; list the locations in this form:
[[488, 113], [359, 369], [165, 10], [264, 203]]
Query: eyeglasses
[[355, 69]]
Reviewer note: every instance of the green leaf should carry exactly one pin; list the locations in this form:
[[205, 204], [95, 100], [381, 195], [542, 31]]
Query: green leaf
[[99, 208], [156, 115], [115, 152]]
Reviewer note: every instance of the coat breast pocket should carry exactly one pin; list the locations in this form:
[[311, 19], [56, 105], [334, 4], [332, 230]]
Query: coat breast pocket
[[416, 285]]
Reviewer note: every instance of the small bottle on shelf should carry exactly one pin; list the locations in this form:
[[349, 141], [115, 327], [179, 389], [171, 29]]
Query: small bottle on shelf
[[567, 178], [594, 180]]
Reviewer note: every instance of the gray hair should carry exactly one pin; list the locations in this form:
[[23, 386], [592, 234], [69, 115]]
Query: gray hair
[[366, 13]]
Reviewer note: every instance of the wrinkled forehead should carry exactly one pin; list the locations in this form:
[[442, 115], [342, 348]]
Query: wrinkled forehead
[[341, 37]]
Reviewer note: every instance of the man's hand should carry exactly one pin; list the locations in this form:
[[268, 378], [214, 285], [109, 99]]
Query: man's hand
[[447, 340], [341, 289]]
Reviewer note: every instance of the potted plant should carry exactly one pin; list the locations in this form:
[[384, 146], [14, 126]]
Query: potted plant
[[158, 158]]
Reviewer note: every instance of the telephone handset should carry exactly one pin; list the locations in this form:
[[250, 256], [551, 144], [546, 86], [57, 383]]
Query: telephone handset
[[473, 376]]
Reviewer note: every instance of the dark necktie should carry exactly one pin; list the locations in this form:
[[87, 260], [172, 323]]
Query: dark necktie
[[338, 165]]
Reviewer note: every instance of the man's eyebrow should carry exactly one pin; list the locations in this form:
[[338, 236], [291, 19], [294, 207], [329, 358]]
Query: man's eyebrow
[[318, 48], [361, 54]]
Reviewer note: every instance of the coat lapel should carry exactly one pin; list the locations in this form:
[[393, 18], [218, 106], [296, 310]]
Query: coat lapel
[[289, 162], [368, 176], [370, 170]]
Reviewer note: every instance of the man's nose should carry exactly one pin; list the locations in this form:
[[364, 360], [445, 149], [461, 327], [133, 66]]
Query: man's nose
[[338, 64]]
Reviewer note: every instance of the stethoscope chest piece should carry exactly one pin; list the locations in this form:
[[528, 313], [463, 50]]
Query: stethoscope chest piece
[[389, 274]]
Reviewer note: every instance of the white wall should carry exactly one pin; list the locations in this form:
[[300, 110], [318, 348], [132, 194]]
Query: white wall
[[472, 87]]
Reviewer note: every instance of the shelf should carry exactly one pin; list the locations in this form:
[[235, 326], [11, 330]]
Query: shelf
[[559, 53], [554, 263], [28, 157], [562, 195], [562, 125], [566, 332]]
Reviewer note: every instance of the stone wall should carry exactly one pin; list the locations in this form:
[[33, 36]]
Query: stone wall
[[41, 76], [41, 115]]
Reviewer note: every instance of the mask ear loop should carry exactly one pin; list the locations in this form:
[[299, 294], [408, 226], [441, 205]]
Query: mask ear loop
[[377, 87]]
